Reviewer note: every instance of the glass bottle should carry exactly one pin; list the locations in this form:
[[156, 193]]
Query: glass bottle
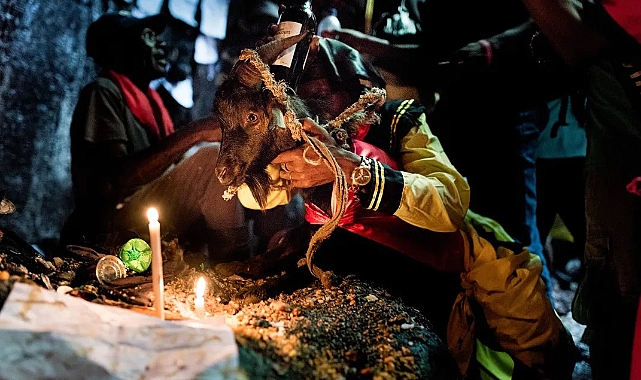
[[296, 18]]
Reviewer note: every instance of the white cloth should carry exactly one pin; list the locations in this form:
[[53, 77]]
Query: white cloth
[[182, 92], [184, 10]]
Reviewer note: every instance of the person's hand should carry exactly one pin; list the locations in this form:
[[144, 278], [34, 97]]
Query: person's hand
[[360, 41], [305, 169], [318, 132], [269, 37], [473, 56], [271, 29]]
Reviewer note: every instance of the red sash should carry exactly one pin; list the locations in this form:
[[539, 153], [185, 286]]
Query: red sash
[[141, 108], [440, 250], [627, 14], [635, 370]]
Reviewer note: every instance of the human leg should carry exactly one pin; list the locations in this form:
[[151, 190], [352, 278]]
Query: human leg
[[547, 195], [529, 124], [560, 190], [572, 208], [607, 297], [204, 89]]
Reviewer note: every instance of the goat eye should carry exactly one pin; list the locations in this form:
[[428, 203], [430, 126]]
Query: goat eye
[[252, 118]]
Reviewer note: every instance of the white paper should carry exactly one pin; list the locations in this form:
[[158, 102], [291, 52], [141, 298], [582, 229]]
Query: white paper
[[57, 336]]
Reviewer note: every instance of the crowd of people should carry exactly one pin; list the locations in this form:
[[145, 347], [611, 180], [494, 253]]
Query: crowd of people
[[526, 111]]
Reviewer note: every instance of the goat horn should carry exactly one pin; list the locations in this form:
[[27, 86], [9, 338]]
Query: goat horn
[[250, 75], [270, 51]]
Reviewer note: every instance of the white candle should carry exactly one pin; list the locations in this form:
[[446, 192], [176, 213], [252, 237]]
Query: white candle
[[199, 302], [156, 263]]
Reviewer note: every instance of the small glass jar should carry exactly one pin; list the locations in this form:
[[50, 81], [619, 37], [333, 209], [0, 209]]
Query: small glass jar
[[110, 268]]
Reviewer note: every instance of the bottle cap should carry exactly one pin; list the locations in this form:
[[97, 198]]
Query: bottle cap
[[110, 268], [136, 255]]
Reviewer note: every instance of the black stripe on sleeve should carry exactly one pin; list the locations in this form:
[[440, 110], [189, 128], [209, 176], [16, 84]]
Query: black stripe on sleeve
[[384, 191]]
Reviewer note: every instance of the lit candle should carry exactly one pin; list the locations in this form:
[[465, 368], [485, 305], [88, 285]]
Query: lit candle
[[200, 300], [156, 262]]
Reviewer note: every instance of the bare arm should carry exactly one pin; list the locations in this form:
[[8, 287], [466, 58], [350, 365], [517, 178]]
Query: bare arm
[[136, 170], [563, 24], [378, 49]]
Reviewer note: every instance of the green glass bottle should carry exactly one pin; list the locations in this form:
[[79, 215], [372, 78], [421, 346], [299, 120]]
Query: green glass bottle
[[136, 255]]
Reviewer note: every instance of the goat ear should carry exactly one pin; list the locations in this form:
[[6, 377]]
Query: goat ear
[[248, 75], [277, 119], [270, 51]]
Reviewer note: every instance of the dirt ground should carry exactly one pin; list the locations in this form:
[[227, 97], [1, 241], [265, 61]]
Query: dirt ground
[[352, 330]]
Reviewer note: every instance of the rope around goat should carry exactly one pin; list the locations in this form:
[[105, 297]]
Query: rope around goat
[[362, 109]]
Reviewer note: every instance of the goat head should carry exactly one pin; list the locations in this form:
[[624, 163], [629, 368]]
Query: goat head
[[252, 122]]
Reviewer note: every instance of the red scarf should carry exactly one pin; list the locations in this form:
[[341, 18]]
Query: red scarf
[[141, 107], [627, 14], [634, 187]]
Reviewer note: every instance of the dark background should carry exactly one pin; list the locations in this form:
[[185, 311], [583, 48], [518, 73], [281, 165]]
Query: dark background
[[42, 68]]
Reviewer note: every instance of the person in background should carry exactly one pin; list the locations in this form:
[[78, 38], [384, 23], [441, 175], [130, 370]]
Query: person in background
[[603, 38], [396, 22], [560, 186], [126, 155], [213, 19], [483, 112], [193, 34]]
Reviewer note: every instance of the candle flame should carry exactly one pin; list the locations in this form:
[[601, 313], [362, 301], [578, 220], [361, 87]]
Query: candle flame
[[200, 287], [152, 215]]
